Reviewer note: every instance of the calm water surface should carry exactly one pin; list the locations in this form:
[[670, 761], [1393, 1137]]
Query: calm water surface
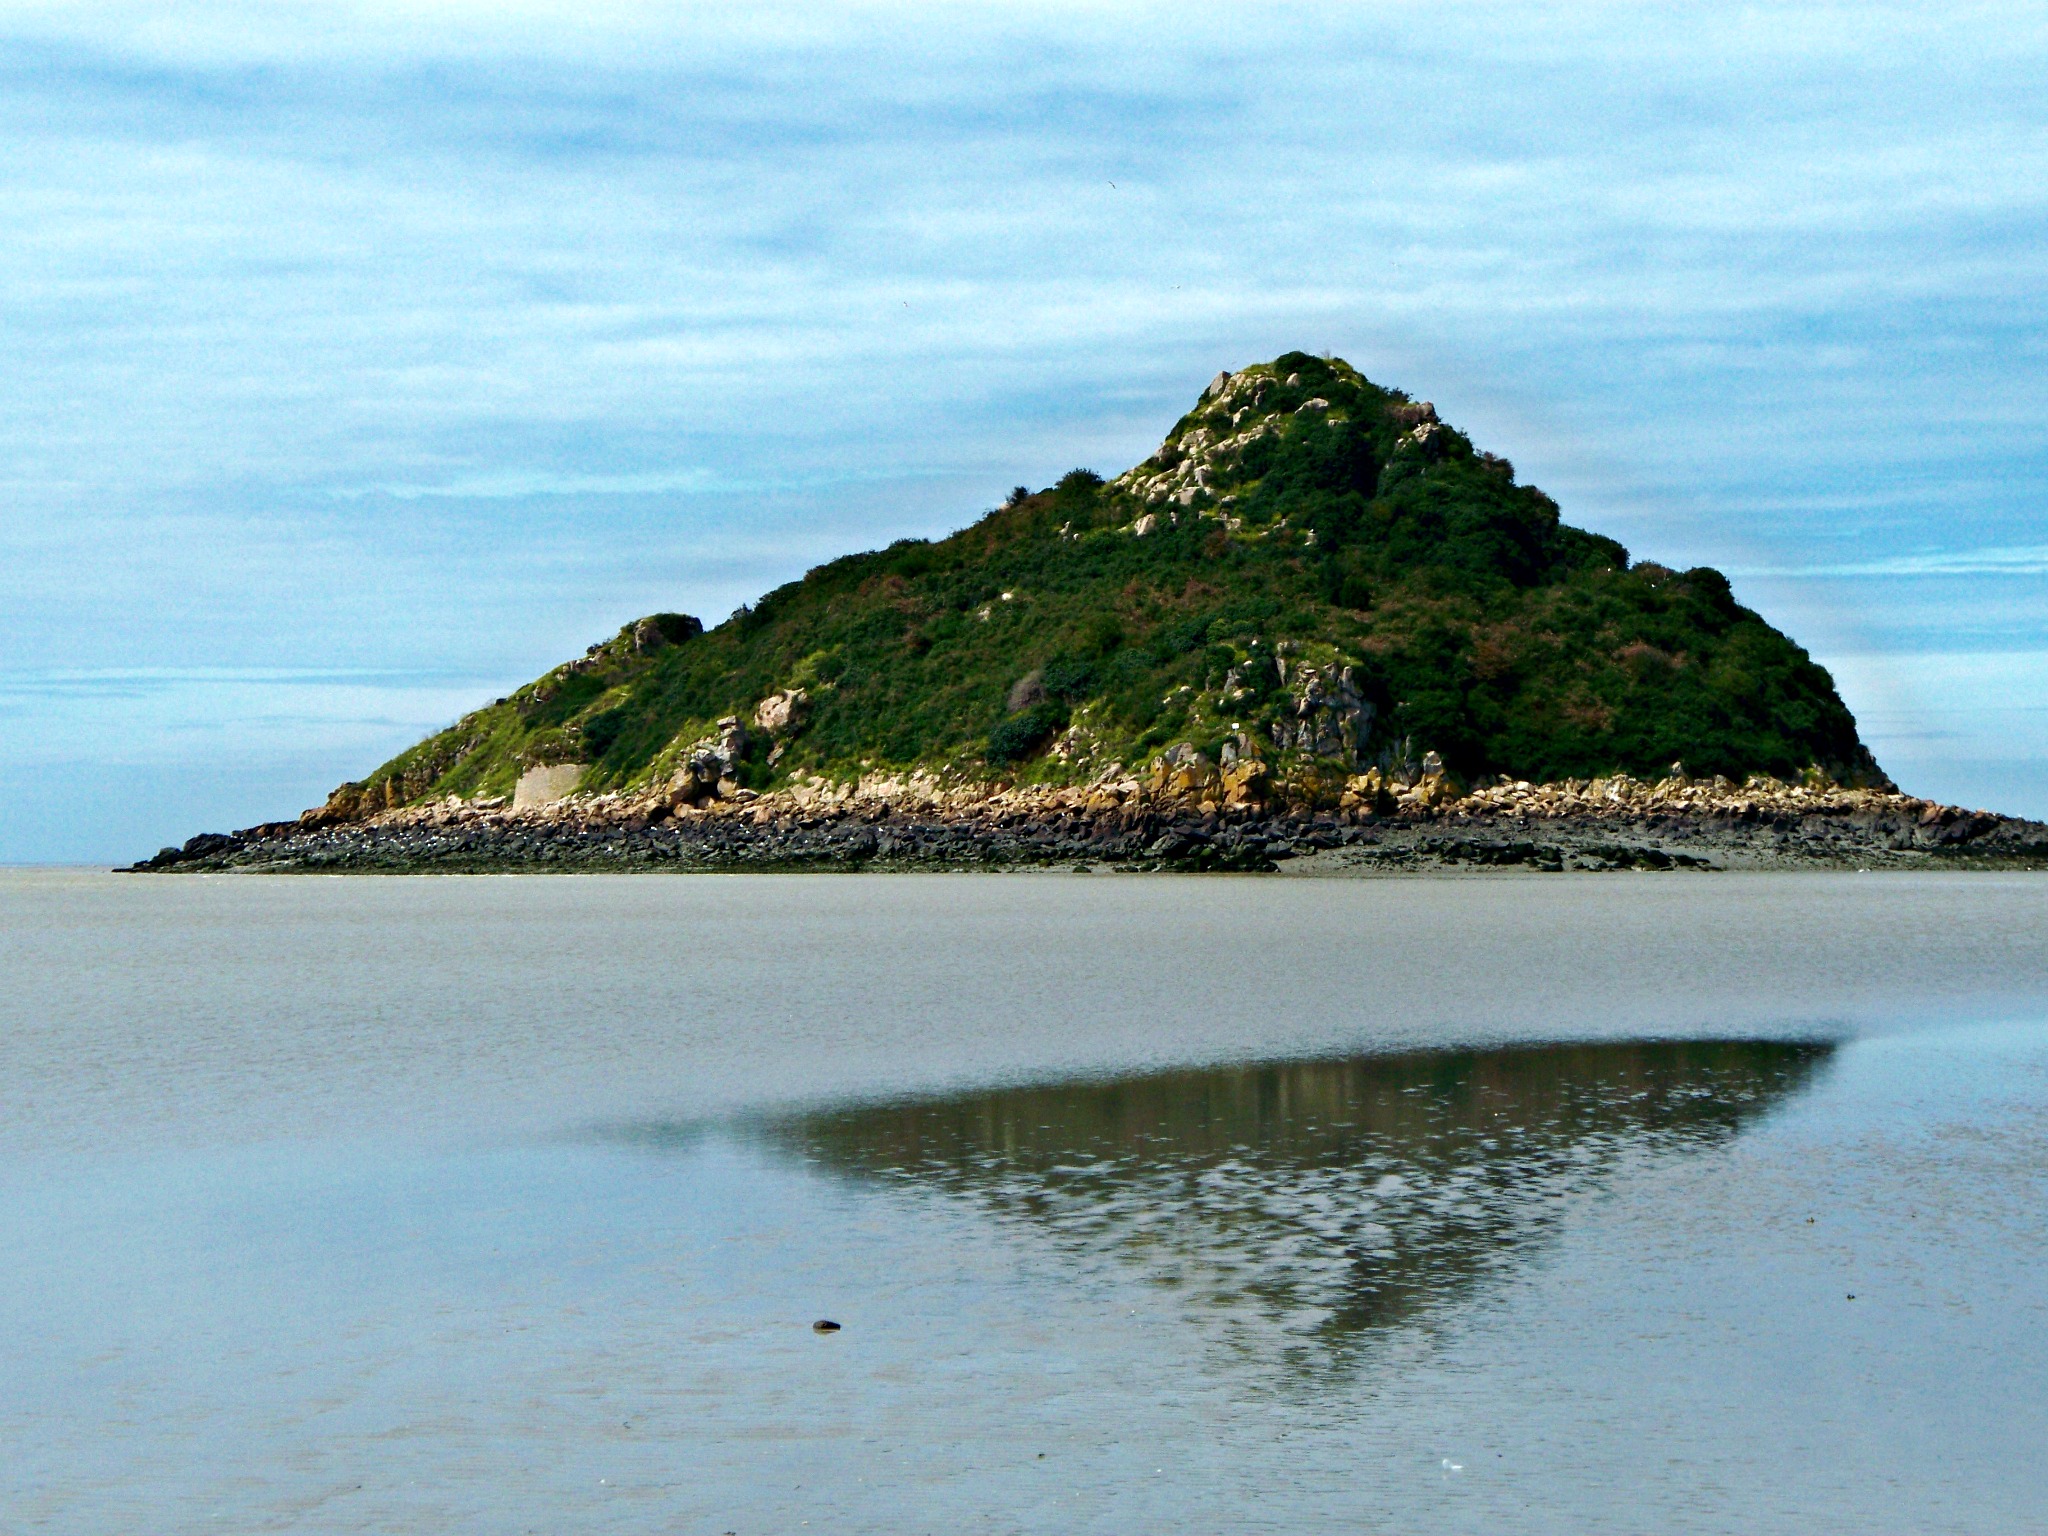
[[1481, 1204]]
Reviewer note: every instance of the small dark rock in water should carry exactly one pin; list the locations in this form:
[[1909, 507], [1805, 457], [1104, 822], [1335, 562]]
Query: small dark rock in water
[[824, 1325]]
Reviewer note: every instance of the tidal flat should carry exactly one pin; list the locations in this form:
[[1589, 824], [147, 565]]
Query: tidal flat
[[1465, 1204]]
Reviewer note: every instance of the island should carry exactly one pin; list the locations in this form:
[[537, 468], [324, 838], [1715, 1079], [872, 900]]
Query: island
[[1317, 629]]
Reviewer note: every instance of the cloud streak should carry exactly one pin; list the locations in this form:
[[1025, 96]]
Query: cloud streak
[[2021, 560]]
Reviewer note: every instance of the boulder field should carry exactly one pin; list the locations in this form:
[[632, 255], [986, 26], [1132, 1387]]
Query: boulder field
[[1182, 815]]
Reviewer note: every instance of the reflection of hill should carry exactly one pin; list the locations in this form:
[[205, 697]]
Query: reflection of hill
[[1328, 1198]]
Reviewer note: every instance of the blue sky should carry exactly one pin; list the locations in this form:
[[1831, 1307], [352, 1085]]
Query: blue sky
[[365, 361]]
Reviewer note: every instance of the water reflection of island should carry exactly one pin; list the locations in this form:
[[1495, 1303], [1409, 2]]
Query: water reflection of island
[[1329, 1199]]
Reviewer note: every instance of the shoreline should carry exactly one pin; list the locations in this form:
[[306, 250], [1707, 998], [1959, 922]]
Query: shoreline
[[897, 824]]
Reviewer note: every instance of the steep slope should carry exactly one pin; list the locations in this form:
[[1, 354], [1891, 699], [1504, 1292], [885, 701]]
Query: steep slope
[[1312, 569]]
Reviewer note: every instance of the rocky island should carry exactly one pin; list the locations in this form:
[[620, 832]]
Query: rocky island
[[1317, 629]]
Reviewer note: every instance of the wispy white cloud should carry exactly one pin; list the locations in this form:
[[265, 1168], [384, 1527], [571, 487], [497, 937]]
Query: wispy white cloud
[[526, 485], [2016, 560], [515, 485], [93, 682], [205, 718]]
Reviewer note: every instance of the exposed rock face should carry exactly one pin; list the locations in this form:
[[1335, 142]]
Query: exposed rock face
[[348, 802], [1330, 718], [732, 742], [711, 766], [1245, 781], [1202, 465], [1379, 791], [1182, 773], [660, 630], [782, 714]]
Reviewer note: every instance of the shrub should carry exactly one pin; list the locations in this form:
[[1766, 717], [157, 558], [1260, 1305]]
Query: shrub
[[1070, 678], [1014, 739], [600, 731]]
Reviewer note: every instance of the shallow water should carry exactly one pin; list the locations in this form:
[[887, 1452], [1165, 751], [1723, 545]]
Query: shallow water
[[1463, 1204]]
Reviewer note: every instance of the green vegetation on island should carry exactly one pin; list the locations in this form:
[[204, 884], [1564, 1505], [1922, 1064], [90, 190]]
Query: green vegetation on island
[[1312, 570]]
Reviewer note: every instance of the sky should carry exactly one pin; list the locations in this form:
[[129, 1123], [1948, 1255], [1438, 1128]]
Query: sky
[[362, 362]]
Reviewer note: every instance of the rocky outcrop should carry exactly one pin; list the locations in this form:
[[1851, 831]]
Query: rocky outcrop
[[658, 631], [1185, 813], [1328, 718], [783, 714], [1204, 463], [711, 766]]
